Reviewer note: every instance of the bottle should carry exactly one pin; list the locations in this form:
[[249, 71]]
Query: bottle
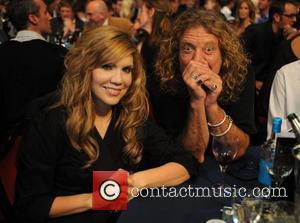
[[295, 123], [268, 148]]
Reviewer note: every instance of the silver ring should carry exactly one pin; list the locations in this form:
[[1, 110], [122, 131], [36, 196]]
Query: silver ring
[[213, 87], [195, 76]]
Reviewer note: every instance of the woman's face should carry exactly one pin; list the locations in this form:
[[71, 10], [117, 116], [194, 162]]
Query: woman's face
[[110, 82], [244, 11], [144, 18], [209, 5], [198, 45]]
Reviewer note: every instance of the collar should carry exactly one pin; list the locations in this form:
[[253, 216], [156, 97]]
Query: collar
[[105, 22], [27, 35]]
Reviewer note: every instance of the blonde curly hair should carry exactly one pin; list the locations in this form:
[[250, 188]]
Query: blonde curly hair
[[234, 60], [95, 48]]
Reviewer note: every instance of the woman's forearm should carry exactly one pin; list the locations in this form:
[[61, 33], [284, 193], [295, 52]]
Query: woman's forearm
[[170, 174], [66, 205]]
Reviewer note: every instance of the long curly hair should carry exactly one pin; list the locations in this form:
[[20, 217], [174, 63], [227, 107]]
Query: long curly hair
[[95, 48], [234, 60]]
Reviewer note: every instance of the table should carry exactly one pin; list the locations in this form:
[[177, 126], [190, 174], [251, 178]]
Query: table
[[241, 173]]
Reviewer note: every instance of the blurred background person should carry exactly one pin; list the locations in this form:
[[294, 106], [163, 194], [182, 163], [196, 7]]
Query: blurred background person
[[98, 15], [66, 26], [152, 25], [245, 15], [263, 9], [30, 66], [212, 6]]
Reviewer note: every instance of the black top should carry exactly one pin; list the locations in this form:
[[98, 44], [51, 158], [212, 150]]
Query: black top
[[50, 167], [284, 55], [171, 110], [261, 43], [28, 70]]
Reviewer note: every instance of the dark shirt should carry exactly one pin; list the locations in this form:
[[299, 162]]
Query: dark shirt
[[261, 43], [171, 110], [29, 70], [49, 166]]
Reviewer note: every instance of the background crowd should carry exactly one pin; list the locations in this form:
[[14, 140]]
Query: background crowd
[[213, 68]]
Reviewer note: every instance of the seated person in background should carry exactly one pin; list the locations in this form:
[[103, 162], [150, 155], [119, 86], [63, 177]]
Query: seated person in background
[[99, 122], [67, 25], [245, 15], [204, 87], [288, 52], [98, 15], [30, 66], [285, 94]]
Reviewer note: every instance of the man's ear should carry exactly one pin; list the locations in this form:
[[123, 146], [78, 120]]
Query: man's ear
[[276, 17], [33, 19]]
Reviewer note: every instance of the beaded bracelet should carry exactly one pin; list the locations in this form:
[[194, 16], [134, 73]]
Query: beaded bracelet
[[220, 123], [226, 131]]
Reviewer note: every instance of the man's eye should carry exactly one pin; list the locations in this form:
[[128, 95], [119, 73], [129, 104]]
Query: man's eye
[[127, 69], [187, 48], [107, 66], [209, 50]]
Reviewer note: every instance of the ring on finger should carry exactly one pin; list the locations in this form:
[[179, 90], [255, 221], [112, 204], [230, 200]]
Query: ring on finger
[[195, 76], [213, 87]]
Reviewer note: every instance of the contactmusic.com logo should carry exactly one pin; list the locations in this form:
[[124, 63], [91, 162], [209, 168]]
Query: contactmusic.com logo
[[110, 190]]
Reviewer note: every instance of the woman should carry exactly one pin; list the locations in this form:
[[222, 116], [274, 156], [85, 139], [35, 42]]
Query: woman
[[205, 87], [245, 15], [99, 123], [153, 21]]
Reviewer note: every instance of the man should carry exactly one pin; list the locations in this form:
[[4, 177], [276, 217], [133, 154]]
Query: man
[[30, 66], [263, 6], [98, 15], [117, 7], [261, 40], [285, 94], [203, 88]]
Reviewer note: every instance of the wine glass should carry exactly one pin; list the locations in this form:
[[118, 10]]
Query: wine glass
[[224, 151], [280, 165]]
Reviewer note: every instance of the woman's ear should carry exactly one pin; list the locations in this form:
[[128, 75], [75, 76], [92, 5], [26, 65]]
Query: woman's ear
[[151, 12]]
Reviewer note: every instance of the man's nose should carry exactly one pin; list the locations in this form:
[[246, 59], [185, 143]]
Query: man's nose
[[198, 55]]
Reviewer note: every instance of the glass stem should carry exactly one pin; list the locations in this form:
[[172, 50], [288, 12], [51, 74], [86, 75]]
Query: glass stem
[[223, 169]]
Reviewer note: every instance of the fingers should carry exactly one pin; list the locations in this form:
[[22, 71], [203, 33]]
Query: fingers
[[200, 74]]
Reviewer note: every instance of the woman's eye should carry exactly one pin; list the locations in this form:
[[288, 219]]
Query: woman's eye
[[127, 69], [107, 66]]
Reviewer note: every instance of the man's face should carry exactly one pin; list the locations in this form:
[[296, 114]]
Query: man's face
[[263, 5], [43, 25], [118, 6], [66, 12], [96, 12], [288, 17], [196, 44]]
